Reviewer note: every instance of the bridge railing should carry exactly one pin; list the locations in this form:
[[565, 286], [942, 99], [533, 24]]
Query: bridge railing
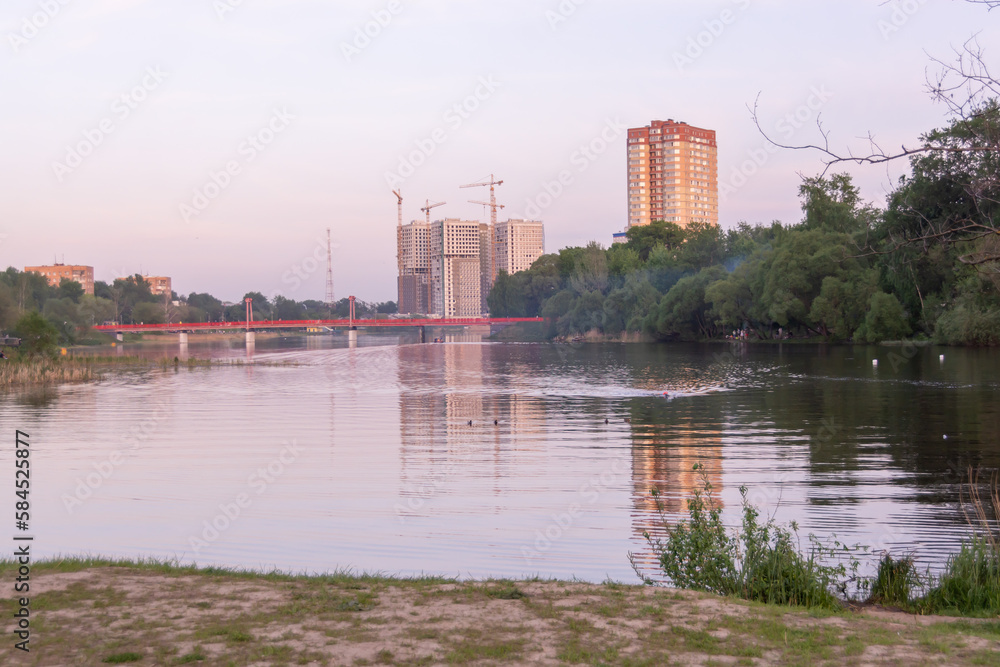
[[304, 324]]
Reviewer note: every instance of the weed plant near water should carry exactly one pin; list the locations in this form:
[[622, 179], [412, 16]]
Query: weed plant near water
[[762, 561]]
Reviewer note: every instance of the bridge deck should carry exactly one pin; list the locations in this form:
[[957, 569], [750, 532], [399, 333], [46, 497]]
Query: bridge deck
[[304, 324]]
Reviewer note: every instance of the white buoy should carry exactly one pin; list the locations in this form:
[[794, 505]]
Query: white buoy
[[945, 436], [874, 362], [941, 358]]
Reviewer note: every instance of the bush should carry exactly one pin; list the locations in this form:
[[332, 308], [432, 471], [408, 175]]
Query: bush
[[886, 320], [758, 562], [38, 336]]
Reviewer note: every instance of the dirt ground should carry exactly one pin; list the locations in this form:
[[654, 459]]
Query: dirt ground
[[95, 615]]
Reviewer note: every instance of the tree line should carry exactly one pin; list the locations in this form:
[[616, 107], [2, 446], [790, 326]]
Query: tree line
[[71, 313], [927, 265]]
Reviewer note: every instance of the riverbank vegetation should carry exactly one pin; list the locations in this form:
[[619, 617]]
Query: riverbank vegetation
[[91, 611], [927, 265], [130, 300], [762, 561]]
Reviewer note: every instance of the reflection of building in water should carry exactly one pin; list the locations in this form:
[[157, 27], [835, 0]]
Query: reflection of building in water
[[442, 388], [664, 458]]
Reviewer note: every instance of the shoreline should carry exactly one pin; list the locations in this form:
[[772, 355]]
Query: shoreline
[[89, 611]]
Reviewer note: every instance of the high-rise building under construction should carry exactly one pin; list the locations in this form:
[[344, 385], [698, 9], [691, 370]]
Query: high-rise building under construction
[[673, 174]]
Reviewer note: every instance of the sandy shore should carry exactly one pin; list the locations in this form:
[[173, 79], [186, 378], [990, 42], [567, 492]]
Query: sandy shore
[[82, 614]]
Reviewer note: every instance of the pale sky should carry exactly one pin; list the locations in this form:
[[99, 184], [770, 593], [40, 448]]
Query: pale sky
[[214, 141]]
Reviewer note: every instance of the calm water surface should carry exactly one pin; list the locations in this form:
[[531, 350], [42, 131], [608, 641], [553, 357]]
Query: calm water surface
[[324, 457]]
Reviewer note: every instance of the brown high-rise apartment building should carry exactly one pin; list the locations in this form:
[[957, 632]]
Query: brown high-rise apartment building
[[673, 174], [414, 257], [159, 285], [56, 272]]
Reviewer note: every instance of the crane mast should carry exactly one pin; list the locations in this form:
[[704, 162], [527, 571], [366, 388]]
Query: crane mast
[[492, 183]]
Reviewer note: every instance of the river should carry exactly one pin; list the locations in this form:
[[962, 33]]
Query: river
[[314, 457]]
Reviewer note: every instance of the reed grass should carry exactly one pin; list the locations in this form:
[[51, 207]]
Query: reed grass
[[19, 372]]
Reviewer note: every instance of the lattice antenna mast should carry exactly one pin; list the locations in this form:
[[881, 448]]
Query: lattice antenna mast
[[329, 270]]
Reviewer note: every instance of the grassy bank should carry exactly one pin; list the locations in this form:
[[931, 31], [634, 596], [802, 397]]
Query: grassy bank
[[92, 612]]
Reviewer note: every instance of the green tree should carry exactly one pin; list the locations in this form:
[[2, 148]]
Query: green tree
[[148, 313], [834, 205], [69, 289], [885, 320], [842, 303], [95, 310], [38, 336], [591, 271], [644, 238], [505, 299], [287, 309], [211, 306], [684, 312]]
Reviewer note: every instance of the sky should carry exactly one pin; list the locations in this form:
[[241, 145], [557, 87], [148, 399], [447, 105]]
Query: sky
[[215, 141]]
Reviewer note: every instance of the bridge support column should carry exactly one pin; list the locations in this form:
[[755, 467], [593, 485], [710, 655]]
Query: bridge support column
[[352, 337], [120, 337], [251, 337], [183, 338], [423, 334]]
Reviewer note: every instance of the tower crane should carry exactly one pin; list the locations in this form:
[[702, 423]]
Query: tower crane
[[493, 218], [399, 231], [427, 209], [399, 212]]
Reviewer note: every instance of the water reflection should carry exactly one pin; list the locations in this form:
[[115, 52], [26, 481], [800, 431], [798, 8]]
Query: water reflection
[[393, 477]]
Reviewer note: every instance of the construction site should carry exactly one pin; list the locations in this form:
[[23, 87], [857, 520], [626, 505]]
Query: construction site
[[447, 267]]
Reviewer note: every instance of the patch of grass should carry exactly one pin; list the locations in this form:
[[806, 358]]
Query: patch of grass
[[197, 655], [474, 649], [119, 658], [894, 582], [505, 591]]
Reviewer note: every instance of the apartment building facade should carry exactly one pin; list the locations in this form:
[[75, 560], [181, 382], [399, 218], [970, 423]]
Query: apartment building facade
[[413, 255], [456, 267], [159, 285], [673, 174], [516, 245], [54, 273]]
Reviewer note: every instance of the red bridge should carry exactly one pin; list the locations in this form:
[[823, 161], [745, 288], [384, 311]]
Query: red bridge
[[256, 325]]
